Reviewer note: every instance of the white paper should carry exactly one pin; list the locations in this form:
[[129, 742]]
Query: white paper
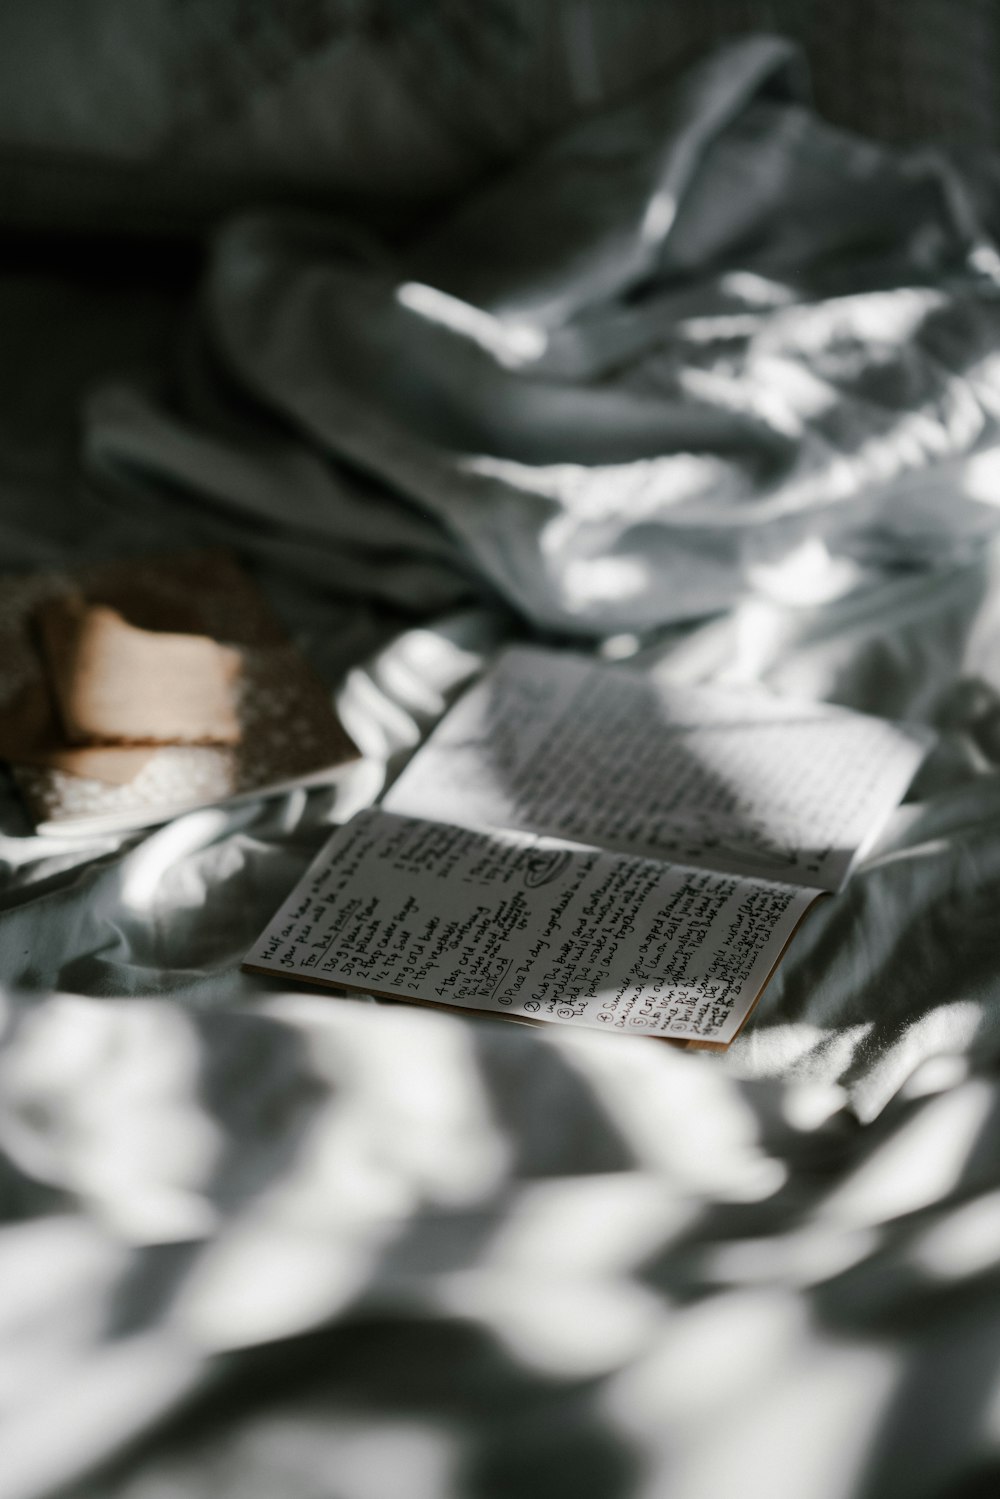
[[532, 927], [738, 780]]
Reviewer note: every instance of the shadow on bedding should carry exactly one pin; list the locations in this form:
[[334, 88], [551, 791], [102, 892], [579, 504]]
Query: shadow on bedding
[[651, 1283], [460, 1257]]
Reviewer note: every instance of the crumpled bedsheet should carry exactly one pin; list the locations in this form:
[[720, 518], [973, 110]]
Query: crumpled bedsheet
[[616, 388], [257, 1242]]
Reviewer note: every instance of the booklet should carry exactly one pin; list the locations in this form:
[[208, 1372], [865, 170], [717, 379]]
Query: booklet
[[584, 843]]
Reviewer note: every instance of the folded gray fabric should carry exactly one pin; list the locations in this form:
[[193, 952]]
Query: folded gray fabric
[[611, 387]]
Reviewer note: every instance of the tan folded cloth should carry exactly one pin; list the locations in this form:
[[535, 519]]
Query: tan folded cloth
[[116, 684], [125, 653], [30, 735]]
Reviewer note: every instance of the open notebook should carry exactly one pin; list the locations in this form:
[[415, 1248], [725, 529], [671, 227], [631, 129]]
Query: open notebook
[[582, 843]]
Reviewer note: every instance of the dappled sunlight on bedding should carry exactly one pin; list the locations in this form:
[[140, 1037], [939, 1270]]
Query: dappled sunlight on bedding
[[713, 382]]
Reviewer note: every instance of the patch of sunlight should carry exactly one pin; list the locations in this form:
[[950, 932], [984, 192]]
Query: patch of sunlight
[[944, 1029], [659, 217], [143, 868], [805, 576], [421, 668], [808, 1429], [984, 378], [148, 1148], [802, 394], [414, 1077], [378, 726], [88, 1412], [680, 1114], [892, 317], [550, 480], [921, 1163], [106, 1103], [691, 655], [341, 1178], [716, 327], [598, 580], [808, 1106], [263, 1281], [444, 661], [755, 290], [593, 1225], [560, 1325], [407, 1124], [620, 647], [357, 786], [706, 1357], [936, 1075], [372, 1458], [162, 1215], [918, 437], [290, 809], [791, 1042], [985, 259], [55, 1277], [740, 1395], [989, 1423], [43, 1256], [57, 1047], [965, 1242], [803, 1257], [762, 633], [981, 480], [511, 344], [408, 1119], [725, 391]]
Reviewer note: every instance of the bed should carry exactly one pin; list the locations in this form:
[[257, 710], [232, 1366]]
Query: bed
[[700, 381]]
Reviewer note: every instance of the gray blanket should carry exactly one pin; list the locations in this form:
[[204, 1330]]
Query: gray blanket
[[707, 384]]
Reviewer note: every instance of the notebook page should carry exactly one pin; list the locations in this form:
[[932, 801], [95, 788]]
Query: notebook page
[[531, 927], [738, 780]]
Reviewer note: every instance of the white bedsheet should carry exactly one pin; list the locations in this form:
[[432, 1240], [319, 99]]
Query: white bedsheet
[[257, 1242]]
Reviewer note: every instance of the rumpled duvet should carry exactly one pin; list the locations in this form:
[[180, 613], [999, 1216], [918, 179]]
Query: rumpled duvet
[[706, 384]]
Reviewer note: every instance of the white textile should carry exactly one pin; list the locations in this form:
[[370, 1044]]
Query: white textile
[[722, 397]]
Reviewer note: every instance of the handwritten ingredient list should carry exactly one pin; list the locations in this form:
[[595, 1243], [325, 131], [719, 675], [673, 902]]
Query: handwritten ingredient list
[[532, 927]]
